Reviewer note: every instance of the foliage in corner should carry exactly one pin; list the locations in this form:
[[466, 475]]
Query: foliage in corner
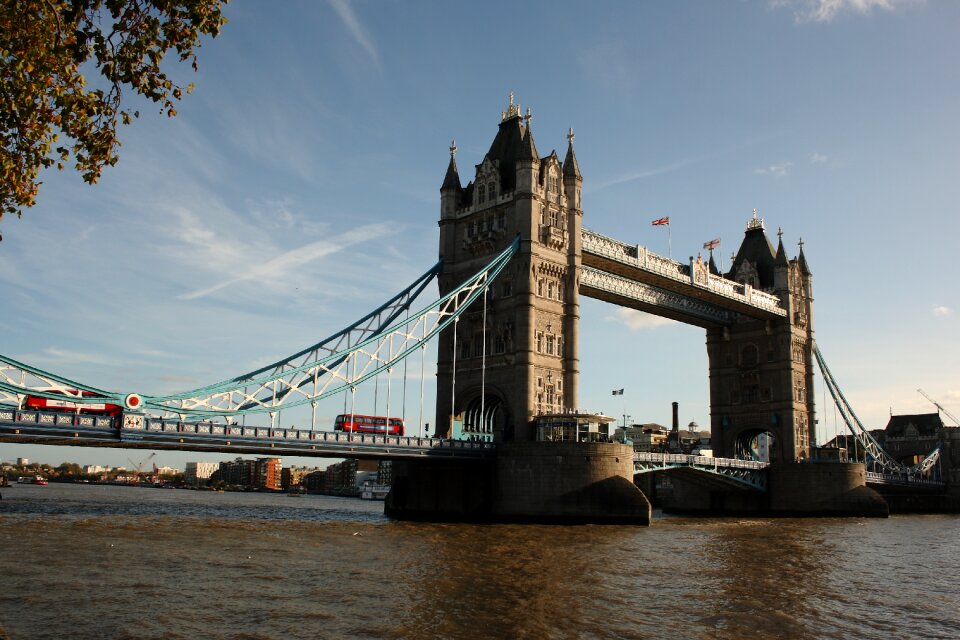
[[47, 110]]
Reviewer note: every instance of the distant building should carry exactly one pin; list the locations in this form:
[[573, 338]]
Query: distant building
[[22, 462], [262, 473], [315, 482], [197, 473], [346, 478], [294, 476]]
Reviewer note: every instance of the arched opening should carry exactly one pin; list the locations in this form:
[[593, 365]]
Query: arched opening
[[757, 444], [482, 417]]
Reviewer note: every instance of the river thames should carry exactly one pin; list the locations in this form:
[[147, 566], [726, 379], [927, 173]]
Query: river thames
[[88, 561]]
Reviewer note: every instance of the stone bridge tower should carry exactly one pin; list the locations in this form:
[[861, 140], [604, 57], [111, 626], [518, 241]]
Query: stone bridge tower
[[761, 371], [529, 320]]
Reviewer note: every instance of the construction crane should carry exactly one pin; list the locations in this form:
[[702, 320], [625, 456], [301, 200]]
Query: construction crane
[[940, 407], [139, 467]]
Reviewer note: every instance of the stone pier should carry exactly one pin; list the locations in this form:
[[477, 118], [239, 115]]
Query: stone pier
[[542, 482]]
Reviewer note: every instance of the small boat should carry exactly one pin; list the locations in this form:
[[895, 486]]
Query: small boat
[[375, 492], [31, 480]]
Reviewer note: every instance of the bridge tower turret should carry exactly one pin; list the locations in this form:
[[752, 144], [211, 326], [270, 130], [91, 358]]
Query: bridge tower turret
[[528, 324], [761, 371]]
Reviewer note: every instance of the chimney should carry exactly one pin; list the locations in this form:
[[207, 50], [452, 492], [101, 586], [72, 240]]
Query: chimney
[[676, 417]]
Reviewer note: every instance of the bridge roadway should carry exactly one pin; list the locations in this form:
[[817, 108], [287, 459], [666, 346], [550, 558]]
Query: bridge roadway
[[57, 428]]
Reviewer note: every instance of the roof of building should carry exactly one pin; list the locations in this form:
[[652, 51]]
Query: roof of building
[[570, 166], [756, 249], [921, 424], [507, 147]]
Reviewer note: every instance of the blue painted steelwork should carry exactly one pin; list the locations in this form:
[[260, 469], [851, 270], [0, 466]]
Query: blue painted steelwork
[[878, 460], [368, 347], [743, 473]]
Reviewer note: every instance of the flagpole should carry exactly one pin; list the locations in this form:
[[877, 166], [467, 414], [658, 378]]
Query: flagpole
[[669, 242]]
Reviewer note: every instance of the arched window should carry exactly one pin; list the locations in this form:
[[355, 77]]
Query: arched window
[[481, 193], [492, 188]]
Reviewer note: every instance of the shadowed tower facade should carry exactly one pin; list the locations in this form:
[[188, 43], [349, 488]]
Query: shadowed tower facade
[[514, 353], [761, 371]]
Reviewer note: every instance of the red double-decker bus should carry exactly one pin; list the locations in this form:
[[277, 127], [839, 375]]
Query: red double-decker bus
[[37, 403], [356, 423]]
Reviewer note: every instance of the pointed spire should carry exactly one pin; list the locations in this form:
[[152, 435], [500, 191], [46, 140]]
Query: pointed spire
[[781, 260], [528, 149], [452, 179], [713, 265], [570, 166], [803, 261]]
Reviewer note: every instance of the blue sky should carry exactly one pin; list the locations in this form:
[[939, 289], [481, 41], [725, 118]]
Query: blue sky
[[298, 187]]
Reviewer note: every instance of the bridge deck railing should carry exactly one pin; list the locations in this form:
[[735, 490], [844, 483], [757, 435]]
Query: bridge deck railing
[[641, 258], [902, 480], [701, 461], [241, 434]]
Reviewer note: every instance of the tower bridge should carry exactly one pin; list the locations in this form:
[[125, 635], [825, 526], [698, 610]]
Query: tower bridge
[[515, 260]]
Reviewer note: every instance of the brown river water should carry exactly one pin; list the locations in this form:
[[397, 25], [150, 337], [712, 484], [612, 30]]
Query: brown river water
[[86, 561]]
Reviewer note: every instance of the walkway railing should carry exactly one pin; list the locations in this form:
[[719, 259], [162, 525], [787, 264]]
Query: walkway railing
[[751, 473], [89, 430], [641, 258]]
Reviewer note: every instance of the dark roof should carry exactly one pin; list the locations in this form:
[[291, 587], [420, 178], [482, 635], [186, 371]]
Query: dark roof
[[781, 260], [803, 263], [713, 266], [507, 148], [926, 424], [452, 179], [570, 166], [528, 149], [757, 249]]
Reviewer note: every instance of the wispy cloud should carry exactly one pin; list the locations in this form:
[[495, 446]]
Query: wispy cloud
[[775, 170], [67, 357], [941, 311], [638, 320], [818, 158], [640, 174], [350, 21], [827, 10], [286, 263]]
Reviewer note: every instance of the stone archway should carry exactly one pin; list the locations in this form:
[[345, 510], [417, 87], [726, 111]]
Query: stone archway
[[484, 416], [757, 444]]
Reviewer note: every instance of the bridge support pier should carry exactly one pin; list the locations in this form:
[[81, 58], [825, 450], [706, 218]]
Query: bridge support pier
[[543, 482], [823, 489]]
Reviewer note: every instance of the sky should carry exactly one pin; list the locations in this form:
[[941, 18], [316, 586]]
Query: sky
[[298, 188]]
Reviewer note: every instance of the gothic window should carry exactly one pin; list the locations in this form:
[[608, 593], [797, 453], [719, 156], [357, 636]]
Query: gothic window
[[550, 290], [539, 382], [561, 290], [539, 343], [478, 345], [550, 343], [499, 344], [559, 385], [539, 287], [541, 215], [551, 396], [559, 351], [492, 188], [481, 193]]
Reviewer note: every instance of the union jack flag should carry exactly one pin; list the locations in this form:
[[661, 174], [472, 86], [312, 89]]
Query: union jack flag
[[661, 221]]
